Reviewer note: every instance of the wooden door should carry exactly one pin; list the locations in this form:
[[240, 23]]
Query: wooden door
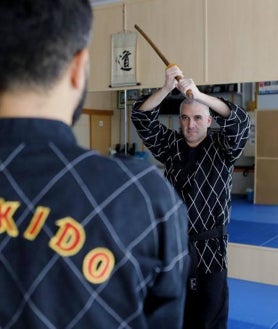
[[99, 124], [101, 133], [100, 129]]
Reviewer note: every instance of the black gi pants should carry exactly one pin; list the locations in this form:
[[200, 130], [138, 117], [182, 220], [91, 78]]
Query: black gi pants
[[207, 306]]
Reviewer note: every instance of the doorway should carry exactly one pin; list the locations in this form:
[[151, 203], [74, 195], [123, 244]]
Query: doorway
[[99, 122]]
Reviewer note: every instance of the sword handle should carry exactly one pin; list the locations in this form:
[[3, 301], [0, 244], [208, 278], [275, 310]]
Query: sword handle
[[188, 93]]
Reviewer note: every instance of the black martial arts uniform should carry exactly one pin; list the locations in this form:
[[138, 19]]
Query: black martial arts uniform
[[203, 178], [86, 241]]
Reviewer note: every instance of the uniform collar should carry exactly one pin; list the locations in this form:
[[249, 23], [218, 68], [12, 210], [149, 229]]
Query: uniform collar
[[33, 130]]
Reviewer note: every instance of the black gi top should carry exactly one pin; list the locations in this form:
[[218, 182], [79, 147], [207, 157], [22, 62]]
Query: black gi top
[[86, 241], [202, 176]]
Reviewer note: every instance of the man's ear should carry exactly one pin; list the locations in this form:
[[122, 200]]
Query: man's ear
[[78, 68], [209, 121]]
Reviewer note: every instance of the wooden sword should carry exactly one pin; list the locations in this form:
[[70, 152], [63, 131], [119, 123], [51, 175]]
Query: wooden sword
[[163, 58]]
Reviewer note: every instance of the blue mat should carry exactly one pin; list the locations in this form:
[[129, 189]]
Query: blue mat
[[252, 305], [244, 210], [258, 234], [253, 224]]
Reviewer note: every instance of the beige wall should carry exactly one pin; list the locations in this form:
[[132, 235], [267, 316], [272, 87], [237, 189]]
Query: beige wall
[[213, 41]]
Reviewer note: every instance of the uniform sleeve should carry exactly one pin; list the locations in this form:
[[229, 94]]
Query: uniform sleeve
[[234, 130], [165, 302], [155, 136]]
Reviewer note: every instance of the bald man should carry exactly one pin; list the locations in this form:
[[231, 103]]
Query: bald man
[[199, 164]]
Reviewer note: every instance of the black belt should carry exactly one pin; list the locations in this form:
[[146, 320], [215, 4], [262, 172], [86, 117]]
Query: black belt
[[216, 232]]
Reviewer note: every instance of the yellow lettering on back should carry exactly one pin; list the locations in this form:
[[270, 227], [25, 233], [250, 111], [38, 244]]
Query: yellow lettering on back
[[7, 223], [98, 265], [36, 223], [70, 237]]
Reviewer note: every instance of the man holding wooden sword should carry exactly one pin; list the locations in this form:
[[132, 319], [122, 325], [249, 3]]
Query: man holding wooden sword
[[199, 164]]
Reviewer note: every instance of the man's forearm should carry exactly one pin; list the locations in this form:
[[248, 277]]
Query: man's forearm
[[155, 99], [215, 104]]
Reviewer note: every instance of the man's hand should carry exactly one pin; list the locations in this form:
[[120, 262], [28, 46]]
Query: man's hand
[[171, 73], [212, 102], [185, 85]]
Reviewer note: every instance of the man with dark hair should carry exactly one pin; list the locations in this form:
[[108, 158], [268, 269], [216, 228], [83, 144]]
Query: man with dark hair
[[86, 241], [199, 164]]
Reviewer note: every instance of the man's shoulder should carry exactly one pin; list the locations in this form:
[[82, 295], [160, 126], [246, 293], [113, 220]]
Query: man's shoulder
[[119, 164], [138, 170], [139, 167]]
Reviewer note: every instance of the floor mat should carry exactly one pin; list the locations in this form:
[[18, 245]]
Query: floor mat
[[252, 305], [253, 224], [258, 234]]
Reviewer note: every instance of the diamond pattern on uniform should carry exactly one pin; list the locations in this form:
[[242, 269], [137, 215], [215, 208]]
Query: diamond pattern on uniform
[[204, 179], [42, 166]]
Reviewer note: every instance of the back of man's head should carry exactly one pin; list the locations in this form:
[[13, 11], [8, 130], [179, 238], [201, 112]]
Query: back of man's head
[[38, 40]]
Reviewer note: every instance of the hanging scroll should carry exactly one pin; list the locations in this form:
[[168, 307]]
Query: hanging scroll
[[123, 60]]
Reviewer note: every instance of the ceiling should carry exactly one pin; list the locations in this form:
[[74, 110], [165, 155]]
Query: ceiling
[[102, 2]]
